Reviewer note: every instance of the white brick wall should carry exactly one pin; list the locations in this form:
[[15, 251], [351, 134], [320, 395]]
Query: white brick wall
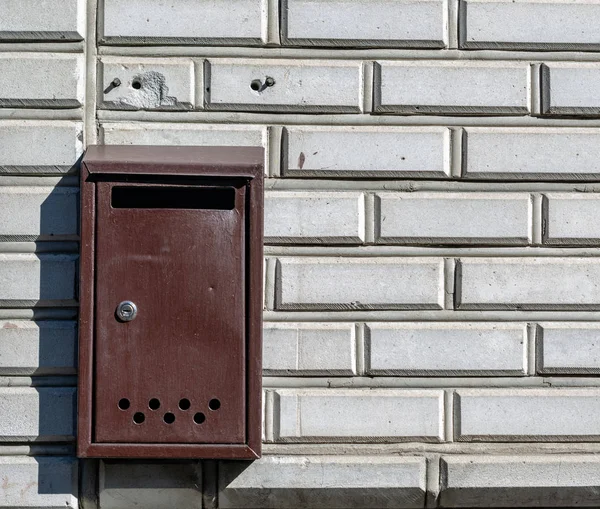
[[366, 151], [181, 22], [380, 481], [446, 349], [346, 415], [532, 154], [452, 218], [570, 89], [309, 349], [330, 218], [42, 213], [404, 23], [45, 279], [549, 25], [31, 20], [46, 414], [147, 84], [355, 283], [42, 481], [302, 86], [538, 283], [548, 480], [569, 348], [431, 335], [572, 219], [37, 348], [39, 147], [527, 414], [120, 133], [446, 88], [61, 86]]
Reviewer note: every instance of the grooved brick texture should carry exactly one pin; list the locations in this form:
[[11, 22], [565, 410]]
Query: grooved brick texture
[[334, 415], [553, 25], [35, 20], [446, 88], [432, 273], [370, 23], [61, 86]]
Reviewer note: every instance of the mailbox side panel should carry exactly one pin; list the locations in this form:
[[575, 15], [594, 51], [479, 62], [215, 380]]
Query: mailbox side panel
[[86, 314], [254, 283]]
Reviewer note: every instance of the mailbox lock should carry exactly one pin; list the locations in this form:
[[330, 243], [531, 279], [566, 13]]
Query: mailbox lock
[[126, 311]]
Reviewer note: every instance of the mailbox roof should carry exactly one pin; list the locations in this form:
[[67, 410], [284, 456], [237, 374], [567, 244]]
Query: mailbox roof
[[174, 159]]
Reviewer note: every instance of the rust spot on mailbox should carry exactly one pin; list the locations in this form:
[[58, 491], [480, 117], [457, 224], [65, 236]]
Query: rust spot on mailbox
[[170, 302]]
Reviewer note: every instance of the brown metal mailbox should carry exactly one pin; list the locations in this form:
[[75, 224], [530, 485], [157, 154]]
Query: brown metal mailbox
[[170, 302]]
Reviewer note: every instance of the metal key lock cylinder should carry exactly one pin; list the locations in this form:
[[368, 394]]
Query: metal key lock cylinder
[[126, 311], [164, 312]]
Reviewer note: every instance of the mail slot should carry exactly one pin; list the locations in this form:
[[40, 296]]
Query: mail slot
[[170, 302]]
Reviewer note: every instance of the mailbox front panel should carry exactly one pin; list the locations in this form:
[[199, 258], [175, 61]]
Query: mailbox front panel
[[170, 303], [174, 373]]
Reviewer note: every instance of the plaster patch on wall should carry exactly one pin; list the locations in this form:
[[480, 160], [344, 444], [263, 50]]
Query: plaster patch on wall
[[145, 91]]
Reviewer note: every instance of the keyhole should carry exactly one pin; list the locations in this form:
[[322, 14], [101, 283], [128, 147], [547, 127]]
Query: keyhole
[[126, 311], [256, 85]]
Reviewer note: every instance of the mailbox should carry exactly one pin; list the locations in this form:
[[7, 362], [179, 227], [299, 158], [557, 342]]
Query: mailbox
[[170, 302]]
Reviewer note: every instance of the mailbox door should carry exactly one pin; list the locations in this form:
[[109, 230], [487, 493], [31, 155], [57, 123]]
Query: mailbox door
[[175, 373]]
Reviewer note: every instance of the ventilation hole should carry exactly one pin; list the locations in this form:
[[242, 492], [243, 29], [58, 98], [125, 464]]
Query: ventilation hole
[[184, 404], [256, 85], [137, 84], [139, 417], [154, 404], [199, 418], [124, 404], [169, 418], [214, 404]]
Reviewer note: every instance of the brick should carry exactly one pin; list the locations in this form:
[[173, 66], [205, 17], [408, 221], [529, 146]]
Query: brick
[[323, 482], [304, 86], [446, 349], [552, 25], [569, 348], [520, 481], [368, 23], [39, 147], [309, 349], [37, 414], [454, 218], [528, 283], [39, 213], [314, 217], [200, 22], [32, 20], [360, 283], [38, 348], [361, 415], [120, 133], [570, 89], [38, 482], [532, 154], [366, 152], [150, 485], [453, 88], [43, 280], [61, 87], [146, 84], [572, 219], [527, 414]]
